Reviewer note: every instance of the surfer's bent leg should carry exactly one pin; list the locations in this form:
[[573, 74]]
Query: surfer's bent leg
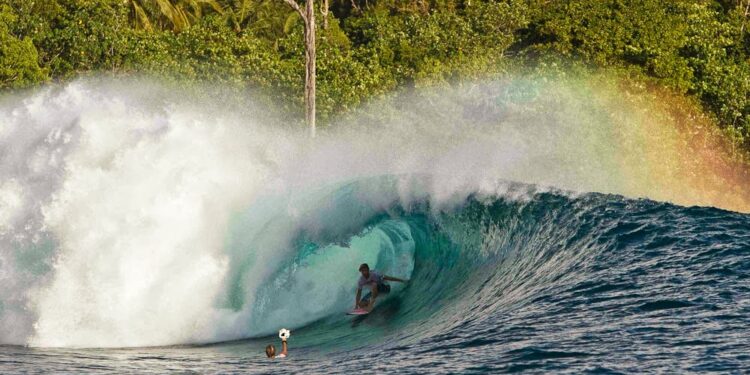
[[373, 295], [364, 301]]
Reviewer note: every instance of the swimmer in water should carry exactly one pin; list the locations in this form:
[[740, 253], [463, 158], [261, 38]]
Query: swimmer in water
[[271, 350]]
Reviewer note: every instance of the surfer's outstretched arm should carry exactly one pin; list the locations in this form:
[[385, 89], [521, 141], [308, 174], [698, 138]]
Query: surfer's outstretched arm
[[357, 299], [391, 278]]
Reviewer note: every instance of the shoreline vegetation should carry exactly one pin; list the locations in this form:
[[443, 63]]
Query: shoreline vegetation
[[694, 55]]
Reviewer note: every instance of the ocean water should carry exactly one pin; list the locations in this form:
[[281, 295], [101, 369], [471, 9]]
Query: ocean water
[[142, 235]]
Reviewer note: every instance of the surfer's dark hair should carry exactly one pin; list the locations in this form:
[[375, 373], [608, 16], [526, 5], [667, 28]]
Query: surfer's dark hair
[[270, 350], [364, 266]]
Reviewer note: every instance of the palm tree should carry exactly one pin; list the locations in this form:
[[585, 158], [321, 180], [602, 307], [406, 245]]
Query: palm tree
[[265, 18], [176, 15]]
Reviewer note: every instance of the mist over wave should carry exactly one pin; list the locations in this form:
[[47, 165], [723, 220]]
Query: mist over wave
[[133, 216]]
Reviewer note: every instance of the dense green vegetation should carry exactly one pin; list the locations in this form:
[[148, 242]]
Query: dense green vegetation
[[700, 48]]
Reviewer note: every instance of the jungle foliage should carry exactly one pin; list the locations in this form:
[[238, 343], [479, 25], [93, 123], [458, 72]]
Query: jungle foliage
[[700, 48]]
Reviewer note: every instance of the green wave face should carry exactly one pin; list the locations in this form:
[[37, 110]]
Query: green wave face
[[478, 257]]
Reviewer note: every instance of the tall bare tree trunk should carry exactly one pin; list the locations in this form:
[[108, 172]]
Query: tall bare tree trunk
[[310, 67], [308, 16]]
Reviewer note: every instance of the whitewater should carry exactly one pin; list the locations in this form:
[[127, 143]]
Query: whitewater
[[544, 225]]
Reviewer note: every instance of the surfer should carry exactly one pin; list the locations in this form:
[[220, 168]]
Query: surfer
[[271, 350], [376, 282]]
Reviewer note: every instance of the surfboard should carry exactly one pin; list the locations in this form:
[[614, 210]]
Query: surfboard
[[358, 312]]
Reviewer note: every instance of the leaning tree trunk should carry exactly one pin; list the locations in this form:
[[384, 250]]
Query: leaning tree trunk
[[744, 18], [308, 16], [324, 12]]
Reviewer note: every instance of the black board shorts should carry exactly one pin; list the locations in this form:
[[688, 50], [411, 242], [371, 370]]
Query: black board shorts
[[383, 288]]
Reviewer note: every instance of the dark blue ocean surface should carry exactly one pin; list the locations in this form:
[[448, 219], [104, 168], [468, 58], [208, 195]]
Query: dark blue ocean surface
[[551, 283]]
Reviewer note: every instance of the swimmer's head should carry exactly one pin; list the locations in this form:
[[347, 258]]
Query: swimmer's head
[[270, 351]]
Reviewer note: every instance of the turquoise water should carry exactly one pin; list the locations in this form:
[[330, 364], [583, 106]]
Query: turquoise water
[[552, 282]]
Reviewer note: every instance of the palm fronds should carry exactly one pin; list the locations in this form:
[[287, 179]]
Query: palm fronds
[[176, 15]]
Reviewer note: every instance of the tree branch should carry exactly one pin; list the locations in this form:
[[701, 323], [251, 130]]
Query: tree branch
[[296, 7]]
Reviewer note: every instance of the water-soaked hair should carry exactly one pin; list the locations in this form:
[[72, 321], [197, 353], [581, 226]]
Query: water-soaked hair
[[364, 266], [270, 351]]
